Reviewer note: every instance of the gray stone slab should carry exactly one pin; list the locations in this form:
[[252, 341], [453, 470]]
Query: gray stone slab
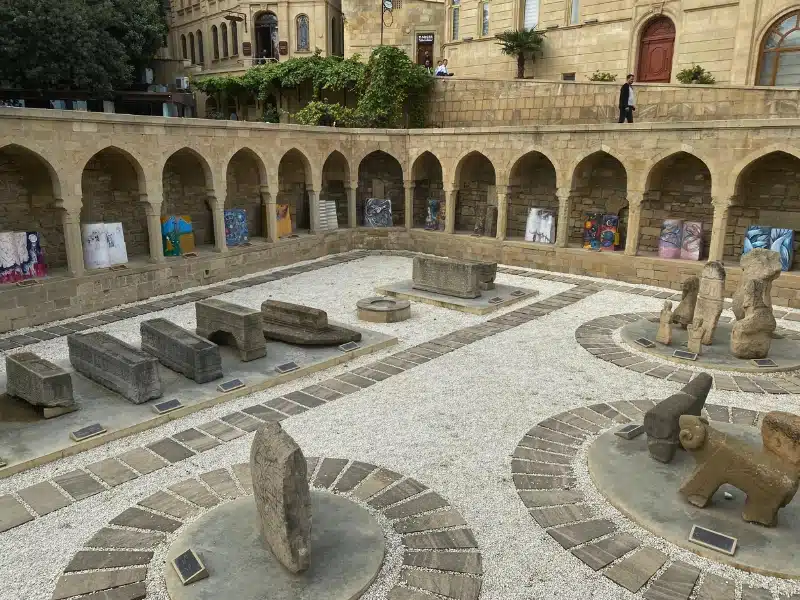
[[196, 440], [170, 450], [567, 429], [542, 482], [676, 583], [537, 498], [339, 386], [111, 471], [168, 504], [142, 460], [747, 385], [633, 571], [437, 520], [403, 490], [375, 483], [285, 406], [540, 456], [222, 483], [451, 585], [540, 468], [580, 533], [422, 503], [551, 447], [743, 416], [73, 584], [386, 368], [79, 484], [86, 560], [717, 413], [355, 474], [264, 413], [714, 587], [629, 410], [244, 476], [371, 373], [43, 498], [181, 350], [603, 552], [551, 516], [242, 421], [441, 540], [329, 470], [12, 513], [231, 324], [751, 593], [356, 380], [108, 537], [141, 519], [195, 492], [549, 435], [221, 430], [459, 562]]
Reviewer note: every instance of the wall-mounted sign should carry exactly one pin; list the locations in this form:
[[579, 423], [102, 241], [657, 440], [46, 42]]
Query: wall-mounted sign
[[424, 38], [283, 48], [247, 49]]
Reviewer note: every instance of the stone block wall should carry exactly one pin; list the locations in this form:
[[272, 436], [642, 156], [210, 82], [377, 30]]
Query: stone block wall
[[292, 190], [477, 190], [600, 186], [186, 193], [244, 191], [532, 185], [381, 176]]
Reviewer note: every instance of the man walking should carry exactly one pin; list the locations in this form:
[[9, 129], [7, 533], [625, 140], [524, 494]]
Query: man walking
[[627, 101]]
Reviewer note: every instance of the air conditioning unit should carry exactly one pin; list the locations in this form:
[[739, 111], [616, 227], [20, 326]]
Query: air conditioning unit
[[182, 83]]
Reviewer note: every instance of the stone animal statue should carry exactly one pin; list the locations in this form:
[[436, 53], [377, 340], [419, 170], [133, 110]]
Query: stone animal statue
[[710, 298], [684, 314], [752, 333], [661, 421], [762, 265], [768, 476], [664, 335]]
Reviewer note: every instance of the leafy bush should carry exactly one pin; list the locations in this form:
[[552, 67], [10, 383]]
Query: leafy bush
[[602, 76], [696, 74], [314, 112], [520, 44], [271, 114]]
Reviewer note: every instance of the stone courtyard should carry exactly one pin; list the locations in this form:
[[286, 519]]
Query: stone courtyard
[[467, 440]]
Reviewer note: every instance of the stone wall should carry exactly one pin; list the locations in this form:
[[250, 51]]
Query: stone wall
[[292, 190], [600, 185], [244, 191], [381, 176], [428, 184], [186, 193], [335, 174], [475, 192], [532, 185]]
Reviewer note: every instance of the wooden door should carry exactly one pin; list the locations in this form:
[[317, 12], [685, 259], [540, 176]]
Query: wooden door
[[425, 52], [655, 51]]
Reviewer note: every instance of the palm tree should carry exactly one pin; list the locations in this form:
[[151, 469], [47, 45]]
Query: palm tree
[[521, 43]]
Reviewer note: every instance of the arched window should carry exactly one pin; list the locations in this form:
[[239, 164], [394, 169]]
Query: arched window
[[267, 35], [779, 63], [201, 55], [184, 52], [302, 32], [455, 19], [234, 39], [191, 48], [224, 32], [215, 41]]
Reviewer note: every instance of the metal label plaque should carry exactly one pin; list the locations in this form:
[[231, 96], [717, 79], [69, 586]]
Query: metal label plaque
[[229, 386], [518, 293], [90, 431], [189, 567], [764, 362], [495, 300], [644, 343], [287, 367], [349, 347], [168, 406], [684, 355], [714, 540], [28, 283], [630, 431]]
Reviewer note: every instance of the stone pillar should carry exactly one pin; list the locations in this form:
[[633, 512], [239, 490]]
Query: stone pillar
[[152, 211], [409, 185], [742, 44], [450, 211], [562, 226], [269, 215], [502, 212], [352, 214], [73, 244], [719, 229], [313, 205], [634, 222], [218, 215]]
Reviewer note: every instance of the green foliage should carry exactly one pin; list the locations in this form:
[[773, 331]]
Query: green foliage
[[271, 114], [696, 74], [314, 112], [94, 45], [602, 76], [521, 44]]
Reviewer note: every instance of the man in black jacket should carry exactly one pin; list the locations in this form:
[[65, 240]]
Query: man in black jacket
[[627, 101]]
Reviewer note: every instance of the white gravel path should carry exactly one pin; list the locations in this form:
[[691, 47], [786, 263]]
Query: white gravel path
[[451, 423]]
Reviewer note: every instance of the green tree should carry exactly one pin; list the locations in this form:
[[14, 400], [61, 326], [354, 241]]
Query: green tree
[[521, 44]]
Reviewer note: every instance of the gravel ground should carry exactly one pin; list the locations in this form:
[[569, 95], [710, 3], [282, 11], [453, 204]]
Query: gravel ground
[[451, 423]]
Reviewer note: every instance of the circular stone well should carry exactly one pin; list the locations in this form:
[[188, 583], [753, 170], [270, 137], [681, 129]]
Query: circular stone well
[[646, 491], [382, 309], [785, 352], [347, 550]]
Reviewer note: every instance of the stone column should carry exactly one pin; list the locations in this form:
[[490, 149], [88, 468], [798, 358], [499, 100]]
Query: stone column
[[218, 216], [270, 217], [73, 244], [634, 222], [313, 205], [562, 226], [719, 229], [502, 212], [152, 211], [743, 42], [409, 185], [450, 211], [352, 214]]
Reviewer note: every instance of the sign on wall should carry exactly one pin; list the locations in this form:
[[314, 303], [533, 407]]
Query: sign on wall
[[247, 49], [424, 38], [283, 48]]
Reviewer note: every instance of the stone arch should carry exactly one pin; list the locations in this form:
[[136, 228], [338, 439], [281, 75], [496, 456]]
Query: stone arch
[[532, 183], [677, 186], [767, 194], [245, 177], [335, 181], [599, 186], [428, 178], [187, 184], [294, 183], [380, 175], [475, 181], [114, 190], [30, 196]]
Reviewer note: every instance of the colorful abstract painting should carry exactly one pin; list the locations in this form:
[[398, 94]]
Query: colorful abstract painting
[[34, 265], [432, 215], [236, 232], [442, 216], [692, 240], [540, 226], [284, 220], [21, 256], [591, 230], [609, 233], [115, 239], [177, 235], [378, 212], [756, 236], [669, 242], [782, 242], [10, 269]]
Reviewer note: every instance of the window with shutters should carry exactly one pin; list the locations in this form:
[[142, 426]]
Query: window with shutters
[[530, 18]]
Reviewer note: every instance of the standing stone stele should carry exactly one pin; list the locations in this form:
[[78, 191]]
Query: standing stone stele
[[684, 314], [752, 333], [762, 265], [695, 342], [710, 298], [280, 488], [664, 335]]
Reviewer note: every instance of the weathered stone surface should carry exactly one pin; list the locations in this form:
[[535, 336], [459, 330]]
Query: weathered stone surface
[[170, 450], [634, 571], [441, 540], [714, 587], [450, 585], [696, 333], [86, 560], [12, 513], [769, 480], [303, 325], [143, 461], [780, 432], [422, 503], [79, 484], [759, 264], [133, 591], [437, 520], [140, 519], [39, 382], [44, 498], [111, 471], [221, 482], [684, 314], [355, 474], [125, 538], [751, 336], [381, 309], [676, 583], [116, 365], [664, 335], [710, 300], [280, 487], [183, 351], [227, 323], [661, 421], [72, 584], [602, 553], [551, 516], [452, 277], [579, 533], [459, 562]]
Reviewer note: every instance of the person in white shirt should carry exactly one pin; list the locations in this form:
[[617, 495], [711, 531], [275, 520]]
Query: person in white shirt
[[441, 70], [627, 101]]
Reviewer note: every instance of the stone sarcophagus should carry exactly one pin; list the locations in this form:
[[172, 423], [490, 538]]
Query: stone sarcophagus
[[453, 277], [114, 364], [40, 383], [303, 325], [231, 324], [183, 351]]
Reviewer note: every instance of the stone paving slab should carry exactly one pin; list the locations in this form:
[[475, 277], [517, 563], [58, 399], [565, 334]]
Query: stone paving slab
[[375, 483], [717, 413], [242, 421], [221, 431], [79, 484], [125, 538], [441, 540], [111, 471], [603, 552], [43, 498], [676, 583], [397, 493], [634, 571], [750, 593], [451, 585], [83, 583], [436, 520], [340, 386], [195, 492], [424, 502], [543, 482], [170, 450], [535, 443], [329, 470], [459, 562], [743, 416], [552, 516], [548, 435], [541, 456], [141, 519], [86, 560], [714, 587], [171, 505], [580, 533], [539, 498], [355, 474], [142, 460], [540, 468], [283, 405], [265, 413], [222, 483], [322, 393], [12, 513], [243, 475], [304, 399], [196, 440]]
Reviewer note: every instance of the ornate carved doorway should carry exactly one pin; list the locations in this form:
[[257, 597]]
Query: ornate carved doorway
[[655, 51]]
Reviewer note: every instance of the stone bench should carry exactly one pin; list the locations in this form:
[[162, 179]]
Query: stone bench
[[453, 277], [302, 325], [181, 350], [231, 324], [115, 365], [40, 383]]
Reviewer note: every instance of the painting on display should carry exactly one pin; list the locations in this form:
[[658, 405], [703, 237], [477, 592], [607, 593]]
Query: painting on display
[[692, 240], [432, 216], [95, 246], [236, 232], [782, 242], [177, 235], [21, 256], [378, 212], [284, 220], [115, 239], [540, 226], [10, 269], [756, 236], [591, 230], [33, 265], [609, 233], [669, 242]]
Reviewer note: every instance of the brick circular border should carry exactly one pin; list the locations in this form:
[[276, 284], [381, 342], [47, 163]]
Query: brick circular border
[[440, 554], [597, 338], [543, 470]]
